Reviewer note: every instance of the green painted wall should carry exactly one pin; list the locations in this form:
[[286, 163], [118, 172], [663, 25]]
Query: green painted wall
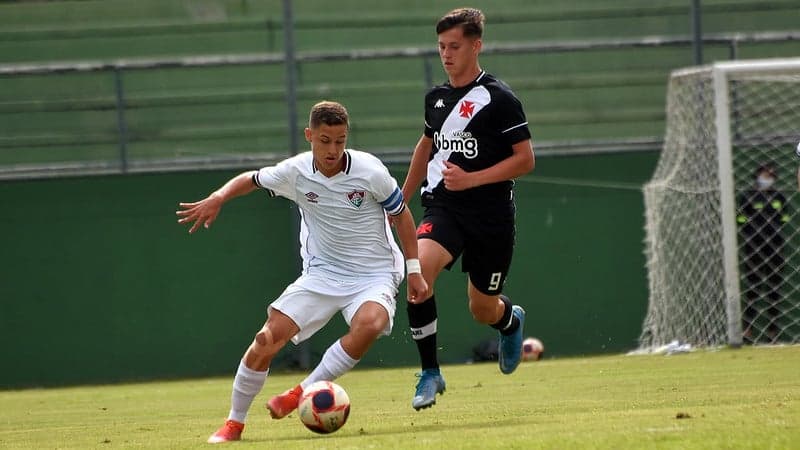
[[98, 283]]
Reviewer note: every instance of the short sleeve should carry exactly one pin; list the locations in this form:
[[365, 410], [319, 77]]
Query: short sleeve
[[511, 120], [427, 131], [386, 191], [277, 179]]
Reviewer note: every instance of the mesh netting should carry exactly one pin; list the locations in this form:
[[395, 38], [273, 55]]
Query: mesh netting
[[684, 242]]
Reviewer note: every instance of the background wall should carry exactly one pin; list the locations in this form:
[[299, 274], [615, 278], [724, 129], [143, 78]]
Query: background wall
[[99, 282]]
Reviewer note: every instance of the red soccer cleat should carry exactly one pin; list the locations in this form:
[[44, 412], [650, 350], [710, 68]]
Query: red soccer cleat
[[281, 405], [231, 431]]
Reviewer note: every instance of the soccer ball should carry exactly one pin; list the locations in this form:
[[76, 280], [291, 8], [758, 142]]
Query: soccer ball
[[324, 407], [532, 349]]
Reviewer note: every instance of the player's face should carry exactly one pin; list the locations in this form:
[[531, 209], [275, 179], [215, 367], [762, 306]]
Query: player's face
[[327, 146], [459, 54]]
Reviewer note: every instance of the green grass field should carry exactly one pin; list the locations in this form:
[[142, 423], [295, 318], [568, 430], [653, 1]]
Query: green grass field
[[747, 398]]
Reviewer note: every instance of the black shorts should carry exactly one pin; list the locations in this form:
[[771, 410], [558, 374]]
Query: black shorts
[[485, 243]]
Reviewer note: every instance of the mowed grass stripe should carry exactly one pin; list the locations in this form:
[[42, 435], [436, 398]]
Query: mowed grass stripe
[[745, 398]]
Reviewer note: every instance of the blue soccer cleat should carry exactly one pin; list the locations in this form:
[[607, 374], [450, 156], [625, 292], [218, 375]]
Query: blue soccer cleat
[[430, 383], [510, 351]]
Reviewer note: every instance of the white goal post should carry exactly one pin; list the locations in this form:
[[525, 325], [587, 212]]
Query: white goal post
[[722, 250]]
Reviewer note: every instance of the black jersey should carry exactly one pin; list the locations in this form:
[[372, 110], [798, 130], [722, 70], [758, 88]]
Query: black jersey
[[473, 127], [761, 217]]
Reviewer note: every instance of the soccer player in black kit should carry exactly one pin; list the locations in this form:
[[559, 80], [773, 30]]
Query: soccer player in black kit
[[475, 142]]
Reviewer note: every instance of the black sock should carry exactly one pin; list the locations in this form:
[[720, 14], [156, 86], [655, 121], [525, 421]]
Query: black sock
[[422, 321], [508, 323]]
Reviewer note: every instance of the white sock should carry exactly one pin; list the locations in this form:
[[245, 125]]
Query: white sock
[[335, 363], [246, 385]]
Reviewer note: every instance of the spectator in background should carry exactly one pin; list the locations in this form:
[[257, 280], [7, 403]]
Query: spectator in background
[[761, 216]]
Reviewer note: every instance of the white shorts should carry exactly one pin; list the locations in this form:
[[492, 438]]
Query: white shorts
[[312, 300]]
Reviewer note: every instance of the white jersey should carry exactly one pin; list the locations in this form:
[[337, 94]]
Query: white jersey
[[344, 233]]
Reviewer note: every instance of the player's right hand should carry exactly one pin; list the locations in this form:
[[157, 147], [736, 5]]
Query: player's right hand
[[417, 288], [203, 212]]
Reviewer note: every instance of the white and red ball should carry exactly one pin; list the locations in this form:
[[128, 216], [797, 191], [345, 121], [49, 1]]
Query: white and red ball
[[324, 407], [532, 349]]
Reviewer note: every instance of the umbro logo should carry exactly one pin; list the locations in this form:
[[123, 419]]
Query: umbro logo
[[312, 197], [439, 104]]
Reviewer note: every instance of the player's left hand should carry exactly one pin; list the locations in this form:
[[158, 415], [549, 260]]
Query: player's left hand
[[417, 288], [455, 178]]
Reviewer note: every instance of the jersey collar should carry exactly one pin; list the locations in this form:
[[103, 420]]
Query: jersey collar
[[471, 83], [348, 162]]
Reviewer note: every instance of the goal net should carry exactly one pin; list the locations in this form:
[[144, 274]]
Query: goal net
[[722, 244]]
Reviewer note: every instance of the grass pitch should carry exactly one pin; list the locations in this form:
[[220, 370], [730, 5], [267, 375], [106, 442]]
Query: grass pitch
[[747, 398]]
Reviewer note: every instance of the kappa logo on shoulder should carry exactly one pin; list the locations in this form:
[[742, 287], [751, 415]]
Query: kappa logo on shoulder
[[439, 104], [356, 198]]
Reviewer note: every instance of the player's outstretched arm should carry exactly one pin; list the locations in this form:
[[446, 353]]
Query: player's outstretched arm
[[406, 233], [205, 212]]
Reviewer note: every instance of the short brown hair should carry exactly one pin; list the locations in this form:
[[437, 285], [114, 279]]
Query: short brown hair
[[469, 19], [328, 113], [767, 167]]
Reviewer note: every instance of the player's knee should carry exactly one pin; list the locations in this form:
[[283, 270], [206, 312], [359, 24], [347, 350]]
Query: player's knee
[[371, 324], [264, 343], [263, 337], [369, 331]]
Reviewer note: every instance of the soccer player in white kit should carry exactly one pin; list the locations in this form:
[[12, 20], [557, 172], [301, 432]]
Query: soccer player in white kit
[[351, 263]]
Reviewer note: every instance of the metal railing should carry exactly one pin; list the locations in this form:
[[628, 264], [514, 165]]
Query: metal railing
[[428, 56]]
